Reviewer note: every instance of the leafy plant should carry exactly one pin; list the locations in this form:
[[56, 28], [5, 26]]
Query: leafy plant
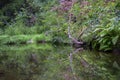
[[105, 34]]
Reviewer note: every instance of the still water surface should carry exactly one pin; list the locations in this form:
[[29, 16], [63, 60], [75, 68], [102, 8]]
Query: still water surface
[[50, 62]]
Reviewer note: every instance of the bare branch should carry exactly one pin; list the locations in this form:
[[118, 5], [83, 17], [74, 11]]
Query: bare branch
[[73, 39]]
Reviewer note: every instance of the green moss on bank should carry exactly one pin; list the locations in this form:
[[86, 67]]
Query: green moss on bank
[[24, 39]]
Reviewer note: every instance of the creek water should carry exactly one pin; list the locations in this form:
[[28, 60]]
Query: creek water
[[51, 62]]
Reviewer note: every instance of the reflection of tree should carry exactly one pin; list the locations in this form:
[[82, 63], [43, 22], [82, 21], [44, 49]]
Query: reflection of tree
[[71, 61], [88, 69]]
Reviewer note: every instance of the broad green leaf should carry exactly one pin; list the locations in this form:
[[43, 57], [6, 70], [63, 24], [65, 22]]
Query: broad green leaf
[[103, 33], [115, 39], [103, 47], [98, 29]]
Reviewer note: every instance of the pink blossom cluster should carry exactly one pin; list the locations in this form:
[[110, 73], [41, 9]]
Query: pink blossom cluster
[[65, 5]]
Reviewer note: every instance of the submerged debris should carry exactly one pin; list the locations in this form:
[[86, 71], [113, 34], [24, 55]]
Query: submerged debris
[[33, 58]]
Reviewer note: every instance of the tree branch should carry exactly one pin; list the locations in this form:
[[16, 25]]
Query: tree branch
[[73, 39]]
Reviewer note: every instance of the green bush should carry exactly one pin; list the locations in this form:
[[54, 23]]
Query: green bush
[[103, 35]]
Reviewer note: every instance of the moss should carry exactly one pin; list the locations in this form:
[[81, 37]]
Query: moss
[[23, 39]]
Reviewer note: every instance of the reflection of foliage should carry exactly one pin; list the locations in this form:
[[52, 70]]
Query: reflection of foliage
[[49, 63], [90, 66], [53, 63]]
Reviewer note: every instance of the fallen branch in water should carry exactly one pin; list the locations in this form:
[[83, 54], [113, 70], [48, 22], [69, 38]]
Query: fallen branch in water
[[73, 39]]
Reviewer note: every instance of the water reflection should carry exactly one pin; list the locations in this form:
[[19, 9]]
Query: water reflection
[[48, 62]]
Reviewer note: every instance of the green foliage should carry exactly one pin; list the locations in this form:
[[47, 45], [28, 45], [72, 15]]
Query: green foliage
[[7, 12], [56, 25], [97, 21], [108, 36], [46, 21], [103, 34], [24, 39]]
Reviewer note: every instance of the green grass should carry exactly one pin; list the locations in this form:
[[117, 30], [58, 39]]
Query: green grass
[[24, 39]]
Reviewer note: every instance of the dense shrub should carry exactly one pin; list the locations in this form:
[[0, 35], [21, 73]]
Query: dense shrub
[[103, 30], [94, 22]]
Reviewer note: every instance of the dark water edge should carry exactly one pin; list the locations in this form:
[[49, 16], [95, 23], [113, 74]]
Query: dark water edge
[[52, 62]]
